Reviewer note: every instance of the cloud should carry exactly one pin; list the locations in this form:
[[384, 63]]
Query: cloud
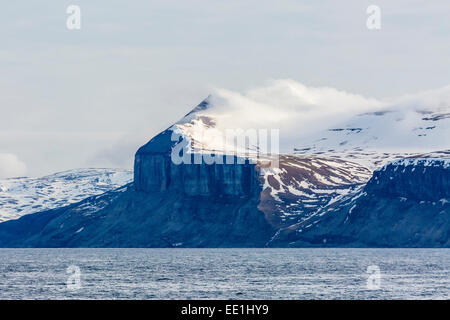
[[11, 166], [290, 105], [304, 116], [304, 109], [433, 99], [118, 155]]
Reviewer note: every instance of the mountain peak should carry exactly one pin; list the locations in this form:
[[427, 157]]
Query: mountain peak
[[202, 106]]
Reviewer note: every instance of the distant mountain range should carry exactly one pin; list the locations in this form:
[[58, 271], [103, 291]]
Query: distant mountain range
[[373, 179], [21, 196]]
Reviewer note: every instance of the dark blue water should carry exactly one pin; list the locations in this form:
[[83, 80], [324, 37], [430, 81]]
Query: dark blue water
[[224, 274]]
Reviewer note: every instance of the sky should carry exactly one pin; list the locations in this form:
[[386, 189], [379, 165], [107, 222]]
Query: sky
[[90, 97]]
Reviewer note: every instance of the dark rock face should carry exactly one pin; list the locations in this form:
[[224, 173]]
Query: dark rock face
[[412, 180], [154, 171], [151, 163], [402, 205]]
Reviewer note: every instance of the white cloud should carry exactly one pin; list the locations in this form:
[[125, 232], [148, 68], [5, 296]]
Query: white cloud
[[304, 109], [289, 105], [304, 116], [11, 166], [435, 99]]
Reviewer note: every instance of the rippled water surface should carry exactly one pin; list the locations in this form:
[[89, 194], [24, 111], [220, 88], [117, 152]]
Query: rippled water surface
[[224, 273]]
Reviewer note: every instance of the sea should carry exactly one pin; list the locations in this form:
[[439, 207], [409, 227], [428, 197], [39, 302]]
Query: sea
[[235, 274]]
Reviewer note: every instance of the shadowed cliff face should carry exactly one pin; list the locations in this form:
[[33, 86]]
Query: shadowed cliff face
[[154, 171], [421, 180]]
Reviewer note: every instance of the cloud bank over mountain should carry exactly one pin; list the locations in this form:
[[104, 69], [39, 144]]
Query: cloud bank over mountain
[[287, 103], [305, 115]]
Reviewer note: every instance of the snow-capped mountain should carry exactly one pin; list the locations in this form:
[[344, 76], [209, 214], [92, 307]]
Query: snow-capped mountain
[[379, 137], [20, 196], [327, 185], [318, 167], [344, 126]]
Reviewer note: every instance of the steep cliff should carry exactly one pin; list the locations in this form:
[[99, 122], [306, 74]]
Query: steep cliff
[[156, 172], [412, 178]]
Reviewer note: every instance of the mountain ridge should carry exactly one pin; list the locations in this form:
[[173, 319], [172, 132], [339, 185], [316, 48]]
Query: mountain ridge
[[320, 195], [24, 195]]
